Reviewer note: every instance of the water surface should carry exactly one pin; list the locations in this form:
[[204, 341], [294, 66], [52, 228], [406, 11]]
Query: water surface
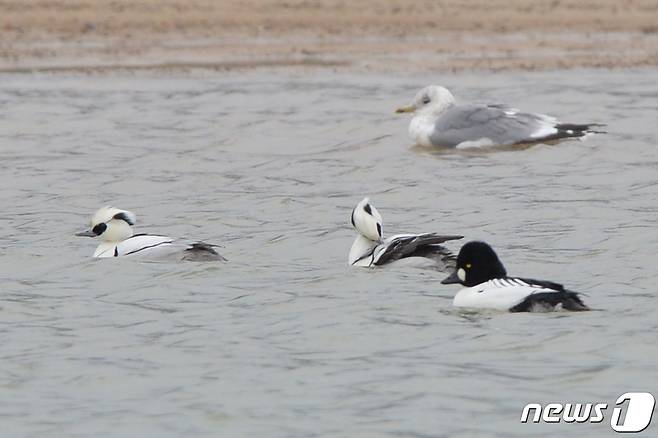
[[285, 340]]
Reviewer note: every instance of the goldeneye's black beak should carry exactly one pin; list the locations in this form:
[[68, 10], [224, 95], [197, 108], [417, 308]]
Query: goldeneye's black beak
[[451, 279], [86, 233]]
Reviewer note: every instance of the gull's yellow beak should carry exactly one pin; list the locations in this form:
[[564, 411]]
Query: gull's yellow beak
[[406, 109]]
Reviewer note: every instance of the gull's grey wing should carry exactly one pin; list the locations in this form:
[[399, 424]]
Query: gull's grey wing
[[501, 124], [412, 245]]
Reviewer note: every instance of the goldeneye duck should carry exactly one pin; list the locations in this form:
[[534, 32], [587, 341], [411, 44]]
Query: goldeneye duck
[[440, 121], [488, 286], [114, 227], [371, 249]]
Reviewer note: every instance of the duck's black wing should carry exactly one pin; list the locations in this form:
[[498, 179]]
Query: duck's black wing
[[555, 294], [411, 245], [202, 251]]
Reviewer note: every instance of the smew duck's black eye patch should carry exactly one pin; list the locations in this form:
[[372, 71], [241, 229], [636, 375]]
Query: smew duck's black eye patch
[[99, 229], [368, 209]]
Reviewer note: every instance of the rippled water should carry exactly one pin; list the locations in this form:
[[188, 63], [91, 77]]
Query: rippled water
[[285, 339]]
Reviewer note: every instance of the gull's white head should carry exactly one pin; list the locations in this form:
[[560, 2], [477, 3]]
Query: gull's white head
[[111, 224], [367, 221], [431, 100]]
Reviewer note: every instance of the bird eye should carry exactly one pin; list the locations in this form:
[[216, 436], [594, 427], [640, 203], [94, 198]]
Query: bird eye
[[468, 266], [426, 100], [368, 209], [99, 229]]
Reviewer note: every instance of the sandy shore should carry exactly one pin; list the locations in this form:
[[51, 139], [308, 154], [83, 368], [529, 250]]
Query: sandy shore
[[379, 35]]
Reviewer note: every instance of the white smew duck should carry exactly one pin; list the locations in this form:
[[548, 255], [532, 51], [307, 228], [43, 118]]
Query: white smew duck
[[371, 249], [114, 227]]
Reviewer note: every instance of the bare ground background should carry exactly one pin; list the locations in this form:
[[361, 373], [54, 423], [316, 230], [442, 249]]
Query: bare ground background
[[382, 35]]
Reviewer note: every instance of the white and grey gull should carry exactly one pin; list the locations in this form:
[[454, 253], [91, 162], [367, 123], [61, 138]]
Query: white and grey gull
[[370, 248], [114, 228], [440, 121]]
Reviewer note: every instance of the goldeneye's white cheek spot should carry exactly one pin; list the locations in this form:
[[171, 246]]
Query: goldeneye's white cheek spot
[[461, 274]]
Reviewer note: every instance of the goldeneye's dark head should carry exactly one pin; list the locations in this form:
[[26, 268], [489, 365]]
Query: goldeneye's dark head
[[477, 262]]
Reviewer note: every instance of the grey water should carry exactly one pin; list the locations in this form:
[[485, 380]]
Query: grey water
[[285, 340]]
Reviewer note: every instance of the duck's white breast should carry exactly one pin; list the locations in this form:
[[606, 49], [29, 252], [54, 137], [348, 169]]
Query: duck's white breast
[[361, 252]]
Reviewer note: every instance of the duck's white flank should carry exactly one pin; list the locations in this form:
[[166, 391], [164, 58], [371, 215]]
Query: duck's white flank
[[137, 246], [500, 294]]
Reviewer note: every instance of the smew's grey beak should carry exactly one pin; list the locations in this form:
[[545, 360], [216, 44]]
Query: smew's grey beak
[[86, 233]]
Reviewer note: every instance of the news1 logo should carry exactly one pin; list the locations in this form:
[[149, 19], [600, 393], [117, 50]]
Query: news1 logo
[[632, 412]]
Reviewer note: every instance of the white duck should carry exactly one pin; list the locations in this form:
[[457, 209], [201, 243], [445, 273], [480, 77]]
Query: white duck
[[371, 249], [114, 227]]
